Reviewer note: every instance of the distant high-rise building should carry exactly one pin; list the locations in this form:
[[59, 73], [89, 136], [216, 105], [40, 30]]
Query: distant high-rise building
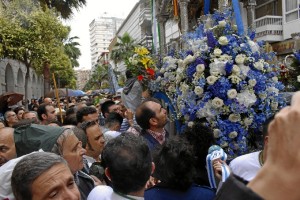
[[82, 77], [102, 31]]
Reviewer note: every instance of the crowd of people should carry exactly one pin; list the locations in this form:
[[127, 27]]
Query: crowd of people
[[79, 149]]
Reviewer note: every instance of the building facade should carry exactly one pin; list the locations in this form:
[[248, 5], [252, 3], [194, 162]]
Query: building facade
[[102, 31], [82, 77]]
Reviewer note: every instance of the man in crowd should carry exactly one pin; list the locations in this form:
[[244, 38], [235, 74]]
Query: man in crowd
[[48, 101], [152, 118], [43, 175], [46, 114], [31, 115], [113, 125], [87, 113], [7, 145], [10, 118], [128, 165]]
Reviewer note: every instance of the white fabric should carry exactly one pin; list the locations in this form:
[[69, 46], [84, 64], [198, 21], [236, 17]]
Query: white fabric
[[134, 97], [112, 134], [5, 178], [246, 166], [103, 192]]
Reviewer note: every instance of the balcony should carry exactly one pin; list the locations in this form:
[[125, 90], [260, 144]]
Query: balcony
[[269, 28], [145, 17]]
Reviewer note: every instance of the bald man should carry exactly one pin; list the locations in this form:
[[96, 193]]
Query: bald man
[[7, 145], [48, 101]]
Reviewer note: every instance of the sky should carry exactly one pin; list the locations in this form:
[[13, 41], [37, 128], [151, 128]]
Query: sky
[[84, 16]]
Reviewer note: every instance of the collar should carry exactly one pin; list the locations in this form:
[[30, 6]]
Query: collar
[[160, 137]]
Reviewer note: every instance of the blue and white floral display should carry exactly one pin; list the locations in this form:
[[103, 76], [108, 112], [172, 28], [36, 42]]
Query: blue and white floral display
[[225, 80]]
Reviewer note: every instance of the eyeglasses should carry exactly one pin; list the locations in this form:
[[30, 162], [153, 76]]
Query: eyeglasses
[[87, 124]]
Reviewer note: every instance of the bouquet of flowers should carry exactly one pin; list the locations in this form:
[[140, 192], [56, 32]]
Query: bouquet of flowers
[[141, 65], [224, 80]]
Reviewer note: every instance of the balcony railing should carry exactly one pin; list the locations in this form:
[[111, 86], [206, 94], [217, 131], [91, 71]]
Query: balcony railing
[[269, 28]]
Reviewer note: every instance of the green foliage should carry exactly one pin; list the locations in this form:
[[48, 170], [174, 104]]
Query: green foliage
[[98, 78]]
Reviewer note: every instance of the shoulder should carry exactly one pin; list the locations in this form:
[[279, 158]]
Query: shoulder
[[244, 159], [100, 192]]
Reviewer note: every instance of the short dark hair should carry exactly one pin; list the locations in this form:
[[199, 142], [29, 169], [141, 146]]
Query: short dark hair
[[112, 119], [84, 126], [17, 109], [129, 162], [84, 111], [42, 110], [144, 113], [71, 119], [105, 107], [28, 169], [174, 162]]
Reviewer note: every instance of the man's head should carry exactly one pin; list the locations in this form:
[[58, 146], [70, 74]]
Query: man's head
[[127, 162], [113, 121], [46, 113], [30, 115], [87, 113], [151, 115], [95, 138], [43, 176], [7, 145], [110, 106], [19, 111], [10, 118], [48, 101]]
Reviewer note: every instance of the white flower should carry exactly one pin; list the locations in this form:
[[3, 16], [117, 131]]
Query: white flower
[[253, 45], [180, 63], [298, 78], [239, 59], [234, 117], [233, 134], [217, 68], [162, 70], [179, 70], [217, 102], [203, 47], [248, 121], [235, 69], [190, 124], [275, 79], [262, 96], [211, 80], [223, 40], [273, 90], [217, 52], [259, 65], [198, 90], [231, 94], [225, 57], [217, 133], [224, 144], [234, 79], [252, 82], [246, 98], [184, 87], [200, 68], [222, 23], [188, 59], [244, 71], [274, 106], [171, 88]]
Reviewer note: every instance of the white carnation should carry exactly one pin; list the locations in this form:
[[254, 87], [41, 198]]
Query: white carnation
[[234, 117], [211, 80], [248, 121], [217, 52], [239, 59], [217, 102], [223, 40], [231, 94], [233, 134], [217, 133], [235, 69], [200, 68], [198, 90]]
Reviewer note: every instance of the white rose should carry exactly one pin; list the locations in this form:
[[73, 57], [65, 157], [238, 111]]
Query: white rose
[[223, 40], [217, 52], [252, 82], [217, 102], [248, 121], [275, 79], [190, 124], [198, 90], [217, 133], [239, 59], [274, 106], [222, 23], [200, 68], [259, 65], [211, 80], [231, 94], [234, 118], [233, 134], [235, 69]]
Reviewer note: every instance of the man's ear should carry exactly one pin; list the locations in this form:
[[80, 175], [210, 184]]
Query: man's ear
[[107, 173], [44, 116], [153, 121]]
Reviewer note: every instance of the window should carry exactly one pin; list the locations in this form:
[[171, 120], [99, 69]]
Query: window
[[292, 10]]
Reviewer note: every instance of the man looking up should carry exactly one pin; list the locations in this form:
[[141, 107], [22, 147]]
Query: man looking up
[[10, 118]]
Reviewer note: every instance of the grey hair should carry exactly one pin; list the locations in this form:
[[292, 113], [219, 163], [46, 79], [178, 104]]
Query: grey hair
[[30, 168], [58, 146]]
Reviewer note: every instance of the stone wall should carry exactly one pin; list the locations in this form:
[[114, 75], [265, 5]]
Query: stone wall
[[12, 79]]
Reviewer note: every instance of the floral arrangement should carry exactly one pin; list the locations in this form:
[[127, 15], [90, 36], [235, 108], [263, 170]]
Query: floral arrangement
[[141, 65], [223, 80]]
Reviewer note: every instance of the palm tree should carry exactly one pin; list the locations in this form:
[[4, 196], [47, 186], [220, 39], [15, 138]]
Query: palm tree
[[72, 50], [123, 49]]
